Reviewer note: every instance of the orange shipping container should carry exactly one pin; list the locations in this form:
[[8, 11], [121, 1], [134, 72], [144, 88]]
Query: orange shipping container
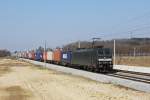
[[57, 55]]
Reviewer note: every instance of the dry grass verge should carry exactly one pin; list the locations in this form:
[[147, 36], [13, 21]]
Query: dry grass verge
[[134, 61]]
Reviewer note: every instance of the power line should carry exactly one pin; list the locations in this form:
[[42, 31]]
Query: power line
[[131, 31], [147, 14], [140, 28]]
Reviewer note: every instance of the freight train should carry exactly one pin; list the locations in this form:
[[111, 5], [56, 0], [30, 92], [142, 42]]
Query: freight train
[[91, 59]]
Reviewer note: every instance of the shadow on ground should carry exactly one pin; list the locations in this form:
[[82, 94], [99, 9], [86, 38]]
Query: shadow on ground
[[14, 93]]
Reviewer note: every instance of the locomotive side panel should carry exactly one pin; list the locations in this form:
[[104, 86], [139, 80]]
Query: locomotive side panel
[[82, 57]]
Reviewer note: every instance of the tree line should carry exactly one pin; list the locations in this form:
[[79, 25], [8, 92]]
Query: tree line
[[4, 53], [124, 47]]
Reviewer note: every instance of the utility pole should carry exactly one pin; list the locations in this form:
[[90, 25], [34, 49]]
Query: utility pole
[[79, 44], [114, 52], [45, 53]]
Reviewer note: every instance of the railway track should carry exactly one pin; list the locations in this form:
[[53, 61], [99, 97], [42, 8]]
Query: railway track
[[135, 76], [130, 75], [134, 80]]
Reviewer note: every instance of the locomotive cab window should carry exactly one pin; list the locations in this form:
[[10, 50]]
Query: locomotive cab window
[[105, 52], [100, 52], [108, 52]]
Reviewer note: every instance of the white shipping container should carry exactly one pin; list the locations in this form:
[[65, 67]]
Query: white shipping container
[[65, 56], [49, 55], [30, 55]]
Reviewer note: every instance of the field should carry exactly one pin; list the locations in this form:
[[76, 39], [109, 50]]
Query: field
[[134, 61], [24, 81]]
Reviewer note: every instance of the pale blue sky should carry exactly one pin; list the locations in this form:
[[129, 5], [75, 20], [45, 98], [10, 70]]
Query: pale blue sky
[[26, 24]]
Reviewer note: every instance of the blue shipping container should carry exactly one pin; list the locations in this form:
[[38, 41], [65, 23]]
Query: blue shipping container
[[38, 56], [66, 57]]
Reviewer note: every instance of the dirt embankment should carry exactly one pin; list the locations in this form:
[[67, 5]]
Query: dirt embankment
[[134, 61], [24, 81]]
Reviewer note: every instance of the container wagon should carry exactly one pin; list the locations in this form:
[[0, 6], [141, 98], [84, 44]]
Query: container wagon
[[32, 55], [48, 56], [29, 55], [38, 56], [57, 56], [66, 58]]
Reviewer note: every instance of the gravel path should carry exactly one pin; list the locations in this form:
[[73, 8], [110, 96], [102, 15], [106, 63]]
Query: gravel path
[[23, 81]]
